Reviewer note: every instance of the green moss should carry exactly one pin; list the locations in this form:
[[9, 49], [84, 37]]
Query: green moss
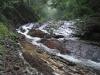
[[1, 50], [3, 30]]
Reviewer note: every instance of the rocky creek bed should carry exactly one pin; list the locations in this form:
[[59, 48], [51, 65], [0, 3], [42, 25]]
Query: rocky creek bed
[[44, 52], [58, 42]]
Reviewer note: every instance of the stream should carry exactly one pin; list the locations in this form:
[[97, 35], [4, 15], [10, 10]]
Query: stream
[[81, 52]]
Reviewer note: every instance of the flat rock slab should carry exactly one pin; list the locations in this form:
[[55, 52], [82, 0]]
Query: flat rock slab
[[83, 49]]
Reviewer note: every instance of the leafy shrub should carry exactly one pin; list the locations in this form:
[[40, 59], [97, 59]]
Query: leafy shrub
[[3, 30]]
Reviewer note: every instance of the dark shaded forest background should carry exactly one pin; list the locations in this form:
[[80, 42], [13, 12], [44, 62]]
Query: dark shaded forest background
[[22, 11], [14, 13]]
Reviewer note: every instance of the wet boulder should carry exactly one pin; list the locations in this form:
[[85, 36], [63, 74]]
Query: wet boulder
[[53, 43], [38, 33]]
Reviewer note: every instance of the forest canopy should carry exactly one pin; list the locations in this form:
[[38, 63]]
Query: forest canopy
[[41, 10]]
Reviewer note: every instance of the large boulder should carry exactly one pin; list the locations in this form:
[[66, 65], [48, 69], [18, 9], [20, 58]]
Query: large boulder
[[38, 33], [53, 43]]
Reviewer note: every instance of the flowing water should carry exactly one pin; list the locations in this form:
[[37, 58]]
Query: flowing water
[[82, 52]]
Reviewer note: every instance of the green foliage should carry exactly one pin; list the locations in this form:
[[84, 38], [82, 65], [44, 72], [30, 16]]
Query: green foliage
[[72, 8], [5, 33], [1, 50], [66, 9], [3, 30], [17, 11]]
